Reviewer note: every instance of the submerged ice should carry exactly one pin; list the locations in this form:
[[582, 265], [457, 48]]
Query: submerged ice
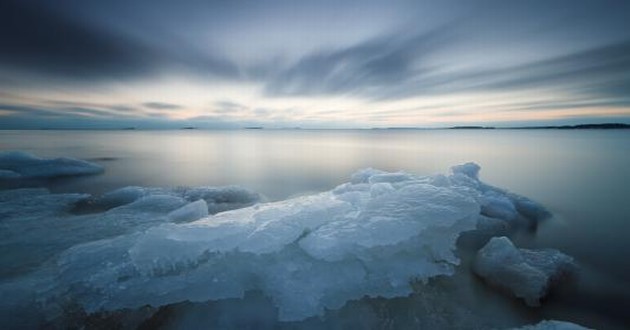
[[372, 236]]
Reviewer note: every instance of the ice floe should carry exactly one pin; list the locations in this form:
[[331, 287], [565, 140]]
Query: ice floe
[[528, 274], [373, 236], [17, 164]]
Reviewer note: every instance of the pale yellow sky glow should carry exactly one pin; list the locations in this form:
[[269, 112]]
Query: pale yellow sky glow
[[195, 101]]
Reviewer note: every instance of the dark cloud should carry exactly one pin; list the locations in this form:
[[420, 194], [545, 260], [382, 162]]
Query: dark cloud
[[62, 117], [122, 108], [378, 64], [161, 106], [392, 68], [609, 64], [37, 40], [600, 75], [227, 107], [42, 42], [28, 111], [111, 108], [63, 109]]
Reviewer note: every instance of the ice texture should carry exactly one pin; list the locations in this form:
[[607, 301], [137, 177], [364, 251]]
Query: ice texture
[[18, 164], [217, 199], [373, 236], [36, 225], [190, 212], [528, 274], [553, 325]]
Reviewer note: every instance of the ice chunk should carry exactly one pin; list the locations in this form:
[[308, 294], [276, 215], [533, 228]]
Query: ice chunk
[[370, 237], [529, 208], [362, 176], [498, 205], [553, 325], [389, 219], [469, 169], [486, 229], [189, 212], [17, 164], [528, 274], [217, 199], [121, 196]]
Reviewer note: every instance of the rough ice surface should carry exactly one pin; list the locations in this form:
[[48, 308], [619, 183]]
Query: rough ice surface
[[18, 164], [307, 253], [190, 212], [553, 325], [36, 225], [372, 236], [528, 274], [217, 199]]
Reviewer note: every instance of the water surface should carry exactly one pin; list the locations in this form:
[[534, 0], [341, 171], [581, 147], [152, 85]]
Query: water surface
[[582, 176]]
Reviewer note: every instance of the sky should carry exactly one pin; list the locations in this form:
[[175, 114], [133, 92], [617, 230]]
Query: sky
[[312, 64]]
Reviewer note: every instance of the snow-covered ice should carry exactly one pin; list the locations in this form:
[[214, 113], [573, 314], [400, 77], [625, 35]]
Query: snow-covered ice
[[372, 236], [21, 165], [528, 274]]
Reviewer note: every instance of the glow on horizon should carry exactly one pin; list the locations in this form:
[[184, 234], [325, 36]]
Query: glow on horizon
[[197, 102]]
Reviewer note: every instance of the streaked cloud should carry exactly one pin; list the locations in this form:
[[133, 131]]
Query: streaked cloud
[[330, 63], [161, 106]]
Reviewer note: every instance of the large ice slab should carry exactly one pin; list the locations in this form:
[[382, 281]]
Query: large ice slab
[[18, 164], [528, 274], [372, 236]]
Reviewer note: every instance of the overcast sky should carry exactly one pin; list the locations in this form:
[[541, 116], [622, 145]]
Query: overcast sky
[[324, 64]]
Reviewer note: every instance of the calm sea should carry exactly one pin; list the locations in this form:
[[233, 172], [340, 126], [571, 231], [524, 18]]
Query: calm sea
[[581, 176]]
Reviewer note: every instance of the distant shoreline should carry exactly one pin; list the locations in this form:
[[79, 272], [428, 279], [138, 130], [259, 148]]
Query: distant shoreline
[[467, 127], [583, 126]]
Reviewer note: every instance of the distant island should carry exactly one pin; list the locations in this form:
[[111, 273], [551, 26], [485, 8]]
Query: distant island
[[472, 127], [583, 126]]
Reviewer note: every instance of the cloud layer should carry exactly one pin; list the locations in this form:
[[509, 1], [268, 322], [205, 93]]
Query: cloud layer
[[280, 63]]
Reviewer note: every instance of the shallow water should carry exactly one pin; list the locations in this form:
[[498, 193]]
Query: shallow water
[[581, 176]]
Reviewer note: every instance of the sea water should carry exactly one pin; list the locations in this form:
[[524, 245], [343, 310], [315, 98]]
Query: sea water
[[581, 176]]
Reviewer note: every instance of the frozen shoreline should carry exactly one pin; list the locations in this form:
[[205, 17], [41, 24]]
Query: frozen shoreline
[[368, 237]]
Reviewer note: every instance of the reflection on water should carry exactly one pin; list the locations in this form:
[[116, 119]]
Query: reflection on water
[[582, 176]]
